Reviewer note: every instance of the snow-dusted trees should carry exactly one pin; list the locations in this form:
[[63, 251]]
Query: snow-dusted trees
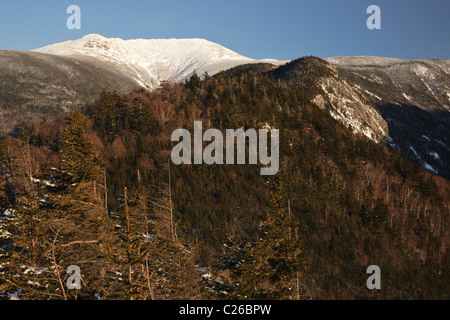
[[155, 263], [25, 227], [81, 225], [58, 217], [271, 264]]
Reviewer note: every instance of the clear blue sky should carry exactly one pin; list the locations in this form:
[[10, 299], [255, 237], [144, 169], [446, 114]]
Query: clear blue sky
[[282, 29]]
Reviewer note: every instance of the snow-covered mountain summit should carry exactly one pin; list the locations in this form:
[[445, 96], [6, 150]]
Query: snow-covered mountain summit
[[149, 62]]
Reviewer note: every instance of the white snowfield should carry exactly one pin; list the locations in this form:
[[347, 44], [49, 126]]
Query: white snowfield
[[150, 62]]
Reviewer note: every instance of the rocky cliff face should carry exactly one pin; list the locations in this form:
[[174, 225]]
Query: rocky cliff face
[[326, 88], [351, 108], [413, 97], [403, 103], [423, 83]]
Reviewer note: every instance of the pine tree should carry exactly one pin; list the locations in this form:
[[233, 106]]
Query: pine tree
[[269, 266], [171, 257], [194, 83], [155, 261], [81, 161], [132, 248], [81, 226], [27, 228]]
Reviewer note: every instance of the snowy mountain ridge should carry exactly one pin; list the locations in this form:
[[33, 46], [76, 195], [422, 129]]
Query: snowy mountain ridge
[[152, 61], [405, 103], [413, 98]]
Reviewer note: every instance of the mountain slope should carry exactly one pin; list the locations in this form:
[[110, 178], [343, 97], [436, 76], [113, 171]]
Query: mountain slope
[[402, 102], [413, 97], [65, 76], [355, 202], [327, 88], [35, 85], [424, 83], [149, 62]]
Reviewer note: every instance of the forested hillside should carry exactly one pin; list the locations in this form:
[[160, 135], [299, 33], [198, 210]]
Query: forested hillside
[[97, 189]]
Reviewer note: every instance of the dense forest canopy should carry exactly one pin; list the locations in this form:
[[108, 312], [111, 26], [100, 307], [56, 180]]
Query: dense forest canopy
[[97, 189]]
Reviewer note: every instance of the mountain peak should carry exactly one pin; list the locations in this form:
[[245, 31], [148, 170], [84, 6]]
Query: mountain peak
[[93, 36], [151, 61]]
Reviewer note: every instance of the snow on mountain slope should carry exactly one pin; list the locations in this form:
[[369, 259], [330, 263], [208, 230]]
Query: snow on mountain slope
[[413, 97], [424, 83], [149, 62]]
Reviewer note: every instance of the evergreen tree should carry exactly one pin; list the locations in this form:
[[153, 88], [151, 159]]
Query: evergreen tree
[[157, 264], [194, 83], [270, 266], [80, 160], [27, 229], [81, 227]]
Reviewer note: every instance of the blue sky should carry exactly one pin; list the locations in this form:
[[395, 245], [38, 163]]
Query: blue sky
[[283, 29]]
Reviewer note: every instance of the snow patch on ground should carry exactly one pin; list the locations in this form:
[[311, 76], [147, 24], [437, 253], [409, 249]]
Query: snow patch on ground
[[428, 87], [430, 168], [373, 95], [415, 152], [435, 155]]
